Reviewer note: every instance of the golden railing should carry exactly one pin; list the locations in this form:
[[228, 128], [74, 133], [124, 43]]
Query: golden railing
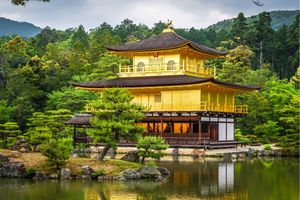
[[154, 68], [202, 106]]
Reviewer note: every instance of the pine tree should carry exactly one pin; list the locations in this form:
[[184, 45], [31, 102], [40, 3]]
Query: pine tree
[[151, 147], [115, 118], [239, 29], [9, 133]]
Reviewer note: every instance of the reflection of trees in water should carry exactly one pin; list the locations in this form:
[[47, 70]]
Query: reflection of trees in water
[[126, 189], [274, 177], [146, 189]]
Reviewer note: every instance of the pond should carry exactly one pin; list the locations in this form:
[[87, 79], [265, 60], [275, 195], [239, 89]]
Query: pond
[[267, 179]]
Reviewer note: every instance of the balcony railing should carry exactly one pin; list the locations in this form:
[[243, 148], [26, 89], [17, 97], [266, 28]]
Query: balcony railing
[[202, 106], [162, 68]]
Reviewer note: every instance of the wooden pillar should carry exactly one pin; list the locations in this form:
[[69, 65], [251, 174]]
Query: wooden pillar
[[200, 100], [199, 121], [208, 101], [218, 106], [233, 103], [161, 126], [74, 137], [226, 106]]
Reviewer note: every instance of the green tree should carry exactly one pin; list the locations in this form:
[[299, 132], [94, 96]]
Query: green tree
[[151, 147], [57, 151], [273, 112], [48, 125], [100, 38], [268, 131], [239, 29], [106, 67], [115, 117], [78, 60], [80, 35], [9, 133], [125, 29], [16, 52], [296, 79], [263, 37], [70, 99], [293, 43], [237, 62], [6, 112], [158, 27]]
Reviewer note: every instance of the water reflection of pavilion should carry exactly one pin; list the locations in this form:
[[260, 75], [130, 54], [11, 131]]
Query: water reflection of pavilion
[[205, 179]]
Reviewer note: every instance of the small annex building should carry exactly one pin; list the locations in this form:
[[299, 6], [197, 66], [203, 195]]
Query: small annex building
[[186, 103]]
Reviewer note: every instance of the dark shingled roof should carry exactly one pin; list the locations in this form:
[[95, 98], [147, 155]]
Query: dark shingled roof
[[152, 81], [163, 41], [80, 119]]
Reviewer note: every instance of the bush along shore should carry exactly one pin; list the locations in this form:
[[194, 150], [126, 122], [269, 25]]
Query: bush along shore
[[14, 164]]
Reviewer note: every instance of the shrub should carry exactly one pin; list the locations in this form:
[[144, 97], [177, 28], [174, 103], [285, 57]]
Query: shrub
[[57, 151], [239, 137], [151, 147], [253, 139], [97, 173], [268, 131], [151, 164], [267, 147], [30, 172]]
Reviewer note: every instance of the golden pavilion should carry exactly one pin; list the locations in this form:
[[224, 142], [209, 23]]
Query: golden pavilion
[[186, 104]]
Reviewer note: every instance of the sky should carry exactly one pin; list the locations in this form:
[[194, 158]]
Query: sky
[[63, 14]]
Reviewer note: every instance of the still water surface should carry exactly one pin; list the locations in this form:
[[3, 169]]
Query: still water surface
[[251, 179]]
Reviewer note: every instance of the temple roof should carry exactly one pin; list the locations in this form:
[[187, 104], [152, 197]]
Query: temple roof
[[80, 119], [152, 81], [165, 41]]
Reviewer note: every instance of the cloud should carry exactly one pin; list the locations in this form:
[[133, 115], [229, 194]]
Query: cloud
[[62, 14]]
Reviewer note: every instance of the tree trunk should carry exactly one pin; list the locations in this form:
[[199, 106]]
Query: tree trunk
[[261, 55], [142, 160], [104, 151]]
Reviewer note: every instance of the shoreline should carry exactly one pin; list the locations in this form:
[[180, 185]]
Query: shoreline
[[251, 151]]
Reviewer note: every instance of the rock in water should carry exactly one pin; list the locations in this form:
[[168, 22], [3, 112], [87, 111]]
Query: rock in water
[[130, 174], [3, 159], [148, 172], [252, 152], [164, 172], [234, 156], [131, 156], [87, 170], [13, 169], [65, 173]]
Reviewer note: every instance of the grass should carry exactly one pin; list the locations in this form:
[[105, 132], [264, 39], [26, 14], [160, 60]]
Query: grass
[[37, 161]]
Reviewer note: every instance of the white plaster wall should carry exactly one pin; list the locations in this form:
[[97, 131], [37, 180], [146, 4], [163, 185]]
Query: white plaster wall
[[230, 131], [222, 131]]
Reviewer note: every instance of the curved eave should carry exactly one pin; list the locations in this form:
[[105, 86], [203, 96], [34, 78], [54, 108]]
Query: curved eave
[[190, 44], [194, 84]]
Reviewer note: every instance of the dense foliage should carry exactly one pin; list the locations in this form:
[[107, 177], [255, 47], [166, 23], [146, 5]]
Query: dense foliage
[[115, 118], [151, 147], [36, 73], [48, 131], [57, 151]]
